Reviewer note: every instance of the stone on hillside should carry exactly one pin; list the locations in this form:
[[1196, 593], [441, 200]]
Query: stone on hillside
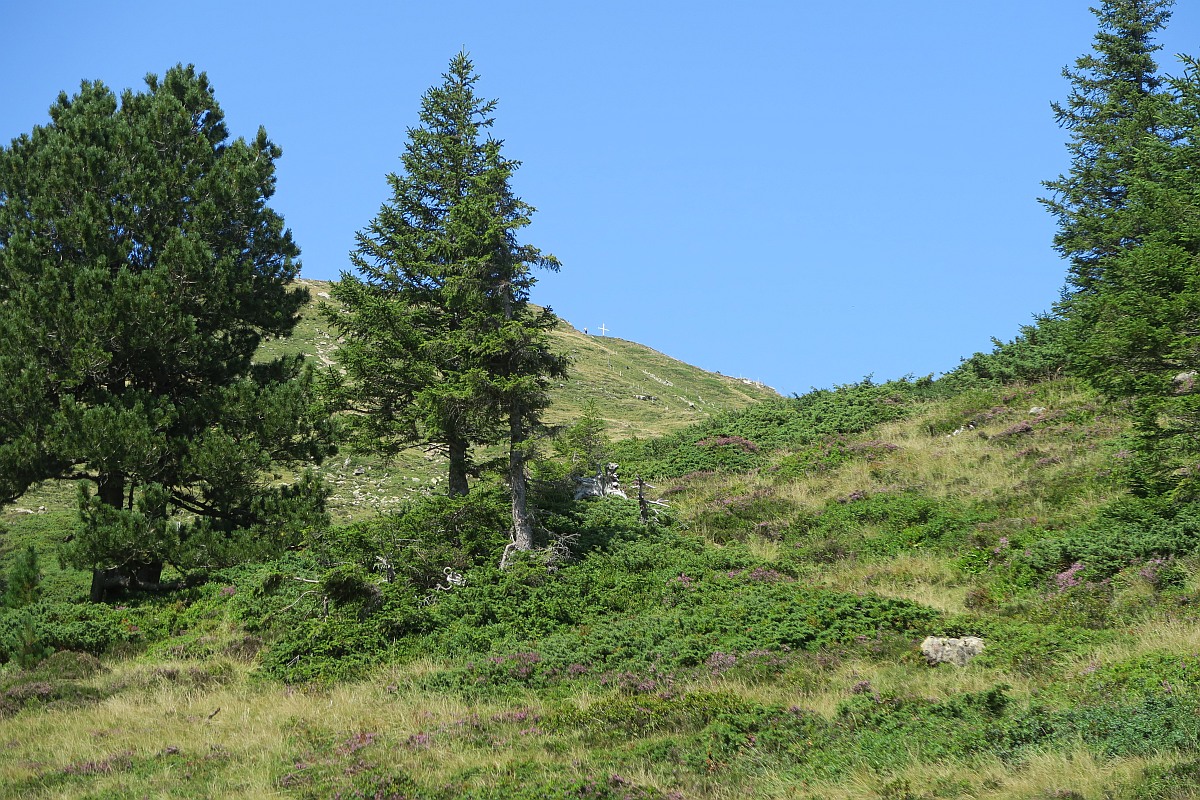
[[604, 483], [1037, 410], [950, 650]]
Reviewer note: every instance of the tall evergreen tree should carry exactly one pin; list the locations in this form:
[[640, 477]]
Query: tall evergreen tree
[[441, 347], [140, 268], [1117, 106], [1137, 336], [1127, 217]]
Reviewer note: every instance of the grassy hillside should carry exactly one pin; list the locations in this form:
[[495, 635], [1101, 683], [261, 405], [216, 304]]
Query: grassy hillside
[[613, 372], [758, 638], [638, 391]]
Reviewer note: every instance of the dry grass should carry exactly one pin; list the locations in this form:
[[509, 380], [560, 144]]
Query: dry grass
[[924, 578], [1045, 775]]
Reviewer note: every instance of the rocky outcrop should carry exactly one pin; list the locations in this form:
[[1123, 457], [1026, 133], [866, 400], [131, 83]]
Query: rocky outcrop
[[950, 650]]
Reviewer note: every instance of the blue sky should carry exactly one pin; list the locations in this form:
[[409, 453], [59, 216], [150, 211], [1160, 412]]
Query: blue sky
[[786, 191]]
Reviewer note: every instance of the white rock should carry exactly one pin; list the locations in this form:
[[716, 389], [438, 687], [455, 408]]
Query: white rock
[[950, 650]]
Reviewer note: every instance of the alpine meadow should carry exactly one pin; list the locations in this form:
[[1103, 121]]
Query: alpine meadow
[[409, 534]]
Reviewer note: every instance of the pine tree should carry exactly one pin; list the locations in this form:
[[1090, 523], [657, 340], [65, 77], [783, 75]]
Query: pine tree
[[140, 268], [441, 346]]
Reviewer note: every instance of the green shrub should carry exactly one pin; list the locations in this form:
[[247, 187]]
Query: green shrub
[[1037, 353], [1131, 532], [740, 441], [1173, 782], [428, 535], [22, 584], [882, 525]]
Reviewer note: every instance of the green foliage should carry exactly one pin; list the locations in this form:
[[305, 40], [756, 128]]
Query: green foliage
[[136, 238], [35, 631], [349, 584], [1032, 649], [417, 544], [1117, 108], [584, 444], [22, 584], [1125, 216], [342, 640], [1039, 352], [592, 625], [740, 441], [440, 344], [1165, 782], [883, 525], [1128, 533], [19, 639]]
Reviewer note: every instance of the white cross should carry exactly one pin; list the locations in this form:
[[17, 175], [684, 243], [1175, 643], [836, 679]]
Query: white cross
[[603, 330]]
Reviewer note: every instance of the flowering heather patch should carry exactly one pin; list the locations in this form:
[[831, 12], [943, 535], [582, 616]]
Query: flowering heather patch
[[719, 663], [639, 683], [356, 742], [736, 441], [518, 715], [418, 741], [520, 665], [1069, 577], [992, 413], [1150, 571], [872, 450]]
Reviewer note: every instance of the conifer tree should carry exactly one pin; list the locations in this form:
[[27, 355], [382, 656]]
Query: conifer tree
[[1137, 336], [1117, 106], [1126, 215], [441, 346], [140, 268], [22, 586]]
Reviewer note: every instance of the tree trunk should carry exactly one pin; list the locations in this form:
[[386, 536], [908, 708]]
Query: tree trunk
[[110, 489], [522, 524], [458, 468]]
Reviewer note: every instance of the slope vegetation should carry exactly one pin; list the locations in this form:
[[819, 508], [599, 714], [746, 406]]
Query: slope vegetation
[[757, 636]]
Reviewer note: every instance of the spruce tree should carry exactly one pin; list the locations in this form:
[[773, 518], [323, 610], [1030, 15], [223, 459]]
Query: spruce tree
[[1126, 215], [1116, 107], [441, 347], [1137, 336], [140, 268]]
